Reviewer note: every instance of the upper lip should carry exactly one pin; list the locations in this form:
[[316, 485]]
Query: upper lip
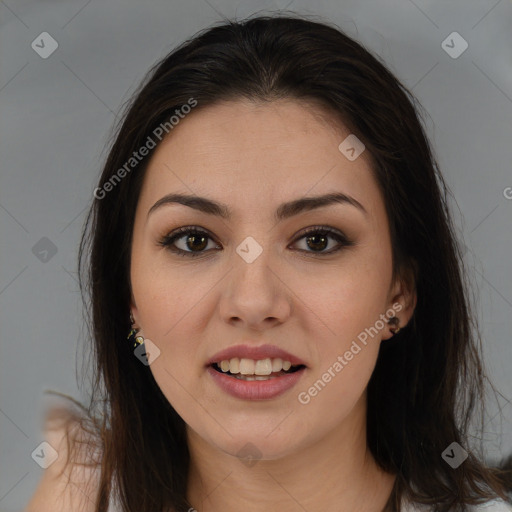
[[256, 353]]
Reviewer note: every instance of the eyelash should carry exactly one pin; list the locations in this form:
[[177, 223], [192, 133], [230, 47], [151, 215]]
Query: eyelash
[[169, 239]]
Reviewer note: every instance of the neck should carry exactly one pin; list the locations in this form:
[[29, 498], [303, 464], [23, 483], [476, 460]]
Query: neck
[[337, 473]]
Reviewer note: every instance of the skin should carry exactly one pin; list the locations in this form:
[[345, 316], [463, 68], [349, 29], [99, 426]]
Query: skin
[[254, 157]]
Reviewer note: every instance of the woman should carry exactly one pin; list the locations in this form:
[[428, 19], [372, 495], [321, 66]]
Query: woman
[[272, 230]]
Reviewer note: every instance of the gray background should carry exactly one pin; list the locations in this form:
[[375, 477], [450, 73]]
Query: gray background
[[57, 114]]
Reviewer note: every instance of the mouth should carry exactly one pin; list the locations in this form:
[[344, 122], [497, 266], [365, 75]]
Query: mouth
[[256, 370]]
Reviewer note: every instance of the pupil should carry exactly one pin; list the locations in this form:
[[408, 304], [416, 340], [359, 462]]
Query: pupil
[[190, 241], [323, 239]]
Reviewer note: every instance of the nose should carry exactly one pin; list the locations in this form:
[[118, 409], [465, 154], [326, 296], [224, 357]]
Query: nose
[[255, 295]]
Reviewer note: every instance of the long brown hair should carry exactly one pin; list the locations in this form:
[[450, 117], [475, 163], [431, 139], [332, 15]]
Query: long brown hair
[[428, 378]]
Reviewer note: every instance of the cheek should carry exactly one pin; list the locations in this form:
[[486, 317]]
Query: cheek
[[341, 302], [167, 294], [345, 345], [174, 307], [344, 330]]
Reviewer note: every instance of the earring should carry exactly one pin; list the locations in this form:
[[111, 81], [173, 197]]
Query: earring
[[132, 335], [394, 321]]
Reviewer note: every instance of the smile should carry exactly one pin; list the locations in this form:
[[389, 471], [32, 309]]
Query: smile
[[249, 384], [260, 370]]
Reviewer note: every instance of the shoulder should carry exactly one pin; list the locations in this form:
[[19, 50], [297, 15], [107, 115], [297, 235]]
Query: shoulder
[[71, 481]]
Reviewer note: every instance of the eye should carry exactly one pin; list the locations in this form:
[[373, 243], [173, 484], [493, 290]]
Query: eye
[[194, 240], [317, 239]]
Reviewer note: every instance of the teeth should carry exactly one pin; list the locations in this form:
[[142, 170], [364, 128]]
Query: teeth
[[254, 377], [259, 368], [246, 367], [234, 365], [277, 364], [263, 367]]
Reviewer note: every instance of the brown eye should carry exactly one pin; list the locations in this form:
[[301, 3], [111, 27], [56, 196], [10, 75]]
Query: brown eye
[[193, 241], [317, 240]]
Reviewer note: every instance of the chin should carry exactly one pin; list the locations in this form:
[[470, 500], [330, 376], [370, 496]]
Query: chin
[[265, 443], [250, 450]]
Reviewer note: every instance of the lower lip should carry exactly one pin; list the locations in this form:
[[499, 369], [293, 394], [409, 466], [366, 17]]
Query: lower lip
[[255, 389]]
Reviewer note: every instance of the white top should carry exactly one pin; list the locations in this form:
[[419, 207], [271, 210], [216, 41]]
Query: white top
[[491, 506], [497, 505]]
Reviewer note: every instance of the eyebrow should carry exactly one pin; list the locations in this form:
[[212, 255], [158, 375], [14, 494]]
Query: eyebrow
[[284, 211]]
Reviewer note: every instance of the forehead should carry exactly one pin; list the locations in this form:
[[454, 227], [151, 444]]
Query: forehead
[[248, 153]]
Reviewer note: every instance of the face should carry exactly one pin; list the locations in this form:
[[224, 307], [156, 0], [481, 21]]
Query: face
[[309, 283]]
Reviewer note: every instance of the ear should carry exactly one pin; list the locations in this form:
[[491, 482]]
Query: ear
[[134, 311], [403, 300]]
